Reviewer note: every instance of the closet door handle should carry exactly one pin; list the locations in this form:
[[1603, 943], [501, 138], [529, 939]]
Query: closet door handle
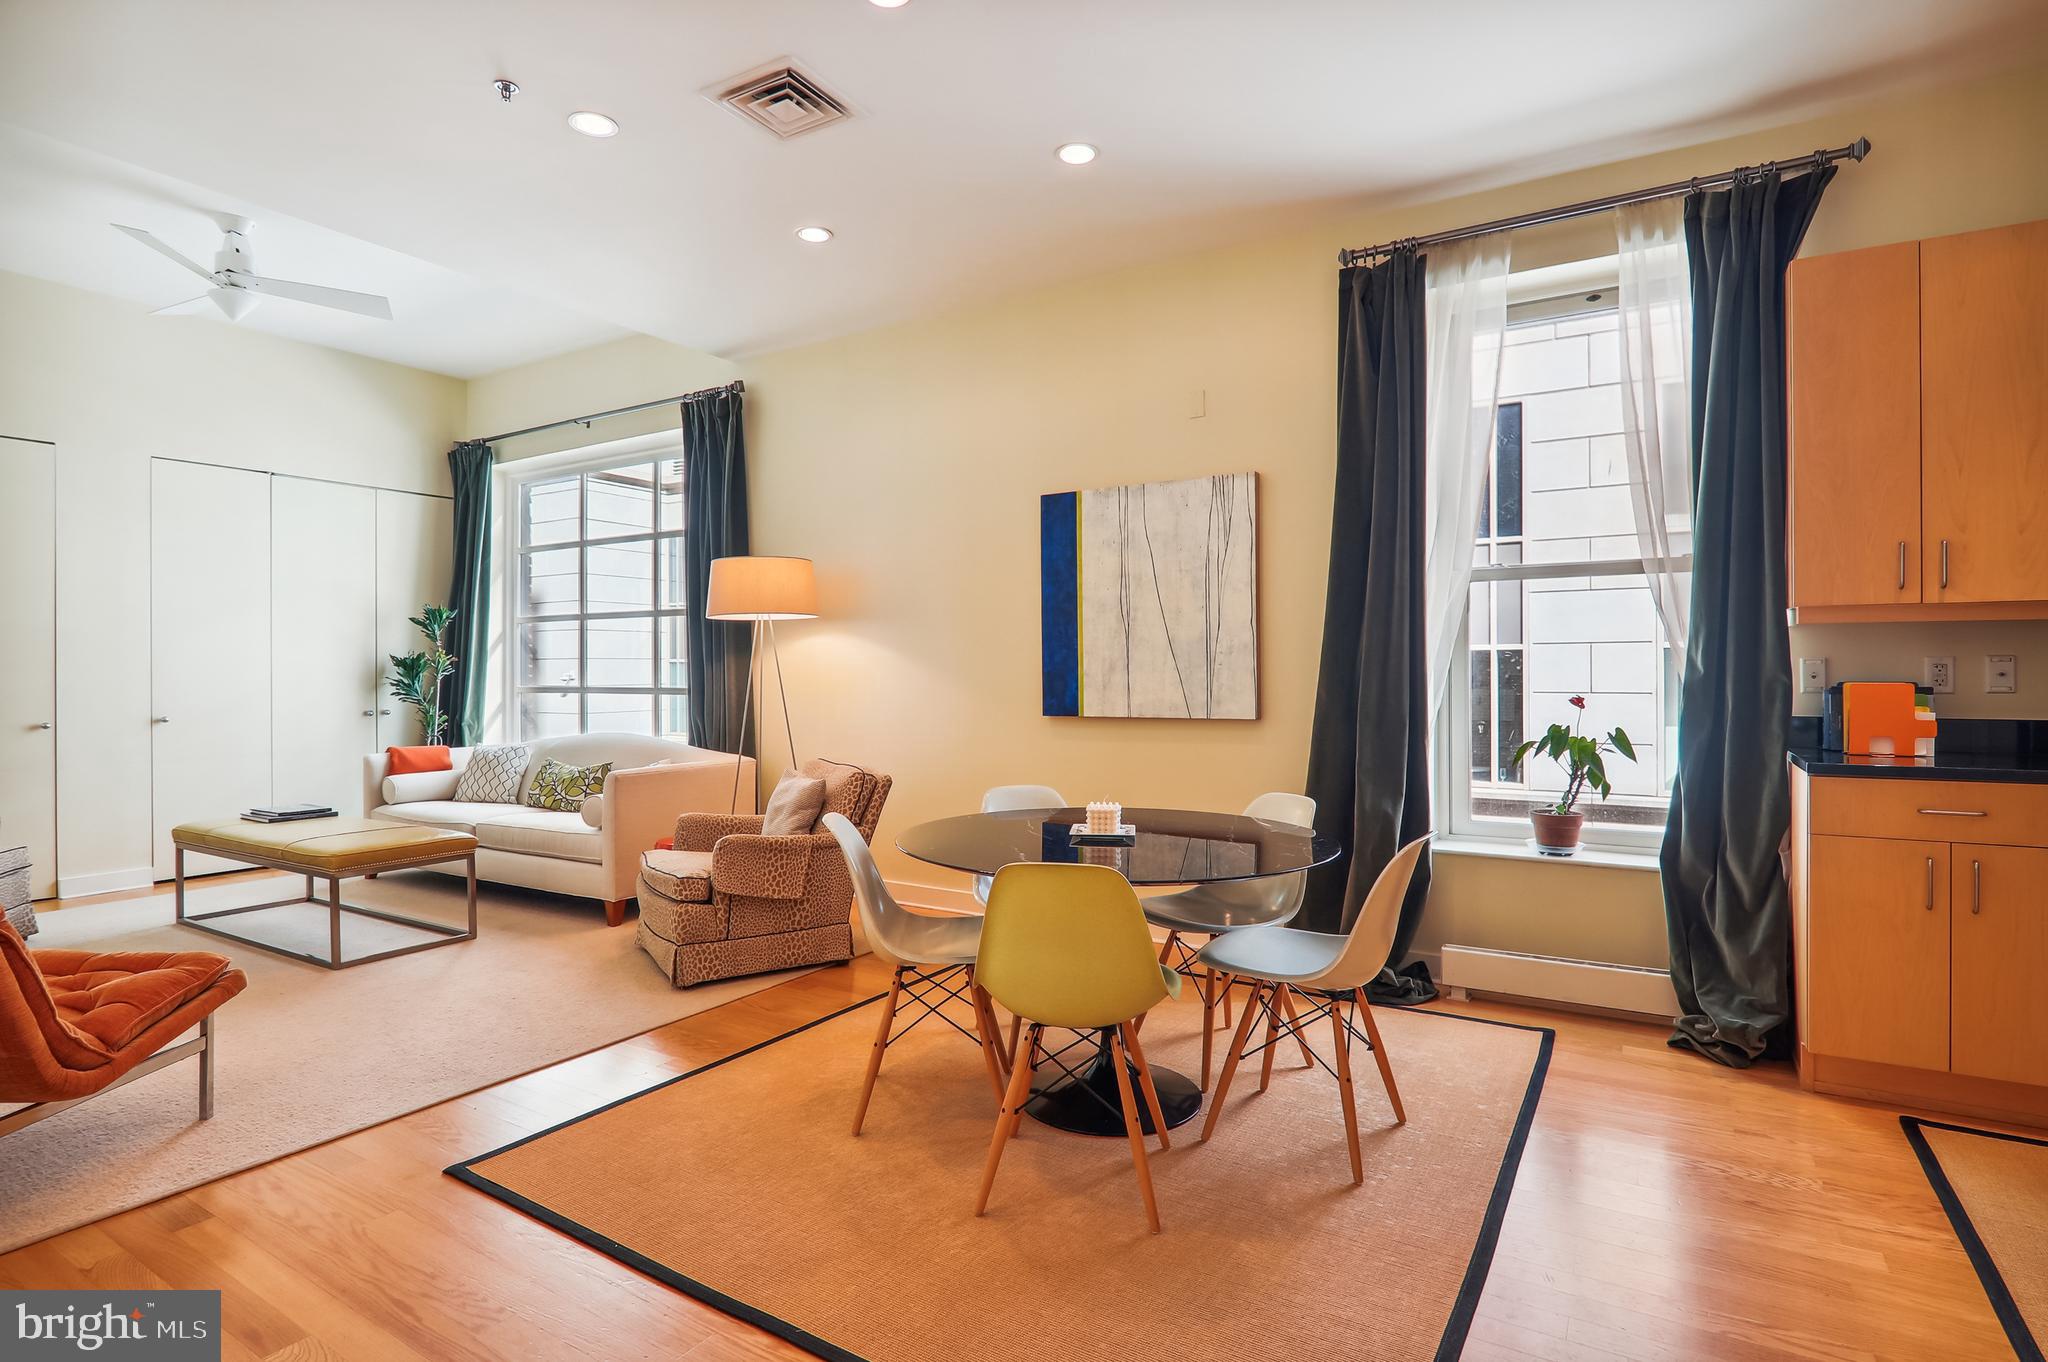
[[161, 719], [1930, 884], [1902, 565], [383, 711], [369, 714], [1955, 813], [1976, 887], [46, 725], [1944, 565]]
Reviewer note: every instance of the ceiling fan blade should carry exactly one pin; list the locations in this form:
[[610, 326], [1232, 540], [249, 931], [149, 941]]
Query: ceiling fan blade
[[155, 245], [178, 307], [363, 304]]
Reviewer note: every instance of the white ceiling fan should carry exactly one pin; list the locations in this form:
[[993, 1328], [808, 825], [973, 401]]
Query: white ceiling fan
[[236, 289]]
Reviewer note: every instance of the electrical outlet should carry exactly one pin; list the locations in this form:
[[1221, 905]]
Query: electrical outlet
[[1813, 675], [1938, 674], [2001, 673]]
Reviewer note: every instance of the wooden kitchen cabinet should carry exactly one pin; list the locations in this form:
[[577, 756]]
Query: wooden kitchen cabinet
[[1999, 1026], [1852, 335], [1879, 924], [1917, 383], [1984, 389]]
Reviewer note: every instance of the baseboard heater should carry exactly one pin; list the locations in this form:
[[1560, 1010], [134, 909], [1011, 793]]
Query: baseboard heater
[[1584, 983]]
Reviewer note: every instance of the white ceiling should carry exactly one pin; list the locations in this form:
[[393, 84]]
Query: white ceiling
[[376, 120]]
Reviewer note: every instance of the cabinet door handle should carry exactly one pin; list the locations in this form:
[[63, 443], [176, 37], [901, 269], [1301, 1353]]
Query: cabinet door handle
[[1930, 884], [161, 719], [1976, 887], [1955, 813], [1944, 565], [45, 725], [369, 714], [1902, 565]]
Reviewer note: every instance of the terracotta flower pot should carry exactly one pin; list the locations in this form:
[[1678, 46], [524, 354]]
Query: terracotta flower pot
[[1557, 833]]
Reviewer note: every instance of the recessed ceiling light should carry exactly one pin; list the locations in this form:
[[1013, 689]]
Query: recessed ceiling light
[[888, 4], [1076, 153], [593, 124], [814, 235]]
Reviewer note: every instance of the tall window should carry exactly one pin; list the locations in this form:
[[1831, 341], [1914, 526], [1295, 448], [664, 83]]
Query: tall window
[[1559, 604], [598, 641]]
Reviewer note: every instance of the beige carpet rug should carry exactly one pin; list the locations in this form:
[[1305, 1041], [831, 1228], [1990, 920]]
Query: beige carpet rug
[[306, 1055], [1995, 1190], [740, 1185]]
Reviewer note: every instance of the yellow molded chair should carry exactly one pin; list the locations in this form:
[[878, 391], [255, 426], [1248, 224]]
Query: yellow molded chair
[[1329, 973], [1066, 946]]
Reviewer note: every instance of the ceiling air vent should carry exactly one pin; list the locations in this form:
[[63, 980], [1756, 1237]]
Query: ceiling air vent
[[782, 99]]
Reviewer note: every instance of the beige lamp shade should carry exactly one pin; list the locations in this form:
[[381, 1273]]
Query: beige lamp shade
[[761, 588]]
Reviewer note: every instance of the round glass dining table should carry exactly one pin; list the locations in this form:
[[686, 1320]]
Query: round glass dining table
[[1173, 847]]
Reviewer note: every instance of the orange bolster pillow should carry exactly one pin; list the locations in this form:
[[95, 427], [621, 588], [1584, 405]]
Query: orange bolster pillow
[[407, 761]]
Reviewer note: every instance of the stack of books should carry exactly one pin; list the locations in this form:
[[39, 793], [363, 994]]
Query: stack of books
[[21, 915], [287, 813]]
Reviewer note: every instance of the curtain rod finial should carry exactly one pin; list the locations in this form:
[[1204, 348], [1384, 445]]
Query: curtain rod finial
[[1860, 148]]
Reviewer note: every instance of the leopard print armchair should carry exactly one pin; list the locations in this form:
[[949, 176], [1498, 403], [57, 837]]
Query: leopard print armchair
[[729, 901]]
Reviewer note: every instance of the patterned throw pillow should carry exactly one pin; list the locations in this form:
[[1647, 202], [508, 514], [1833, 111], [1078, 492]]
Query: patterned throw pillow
[[493, 775], [564, 788]]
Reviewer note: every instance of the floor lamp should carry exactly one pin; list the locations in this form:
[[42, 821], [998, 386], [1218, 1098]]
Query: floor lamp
[[763, 590]]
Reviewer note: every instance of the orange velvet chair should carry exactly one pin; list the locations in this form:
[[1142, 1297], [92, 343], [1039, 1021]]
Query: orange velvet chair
[[74, 1024]]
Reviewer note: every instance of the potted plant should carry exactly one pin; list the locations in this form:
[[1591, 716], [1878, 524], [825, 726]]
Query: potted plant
[[416, 677], [1585, 764]]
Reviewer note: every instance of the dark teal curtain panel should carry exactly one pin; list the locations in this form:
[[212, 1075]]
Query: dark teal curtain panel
[[1368, 766], [1726, 904], [715, 515], [469, 592]]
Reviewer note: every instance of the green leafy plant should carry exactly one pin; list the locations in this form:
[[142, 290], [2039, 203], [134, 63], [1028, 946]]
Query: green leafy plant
[[1584, 759], [416, 677]]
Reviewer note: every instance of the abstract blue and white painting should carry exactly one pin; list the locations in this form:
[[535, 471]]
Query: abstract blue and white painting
[[1149, 599]]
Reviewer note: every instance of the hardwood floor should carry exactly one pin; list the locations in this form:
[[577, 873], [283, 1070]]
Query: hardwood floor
[[1666, 1210]]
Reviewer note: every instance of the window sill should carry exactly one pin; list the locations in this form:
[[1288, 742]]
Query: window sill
[[1612, 858]]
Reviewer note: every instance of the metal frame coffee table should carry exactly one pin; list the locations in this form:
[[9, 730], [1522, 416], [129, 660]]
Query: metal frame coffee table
[[448, 847]]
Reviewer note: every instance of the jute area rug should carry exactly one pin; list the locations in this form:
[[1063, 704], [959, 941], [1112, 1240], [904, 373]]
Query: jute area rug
[[740, 1185], [306, 1055], [1995, 1190]]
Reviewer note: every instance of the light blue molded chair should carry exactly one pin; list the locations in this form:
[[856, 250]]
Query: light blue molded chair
[[1211, 910]]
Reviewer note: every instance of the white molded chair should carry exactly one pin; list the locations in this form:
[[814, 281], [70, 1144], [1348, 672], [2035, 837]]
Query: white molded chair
[[1211, 910], [1011, 799], [1329, 973], [933, 957]]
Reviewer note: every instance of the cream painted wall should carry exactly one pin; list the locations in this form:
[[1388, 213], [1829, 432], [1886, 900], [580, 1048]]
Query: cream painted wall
[[114, 387], [908, 461]]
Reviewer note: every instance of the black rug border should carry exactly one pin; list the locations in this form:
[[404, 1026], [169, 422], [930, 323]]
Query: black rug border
[[1988, 1276], [1450, 1347]]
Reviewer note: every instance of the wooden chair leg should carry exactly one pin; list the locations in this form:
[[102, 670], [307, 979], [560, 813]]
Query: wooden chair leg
[[867, 1087], [1228, 980], [1308, 1059], [1145, 1086], [1236, 1052], [1342, 1037], [1032, 1044], [991, 1041], [1013, 1105], [1166, 949], [1379, 1052], [1272, 1005], [1131, 1128], [1010, 1050]]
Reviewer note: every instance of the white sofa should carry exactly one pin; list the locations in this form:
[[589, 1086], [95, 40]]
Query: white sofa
[[592, 854]]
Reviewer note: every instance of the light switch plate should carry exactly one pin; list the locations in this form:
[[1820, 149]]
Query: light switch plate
[[2001, 673], [1813, 675], [1938, 674]]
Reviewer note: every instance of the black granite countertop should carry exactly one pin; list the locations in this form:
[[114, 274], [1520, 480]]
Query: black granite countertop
[[2014, 751]]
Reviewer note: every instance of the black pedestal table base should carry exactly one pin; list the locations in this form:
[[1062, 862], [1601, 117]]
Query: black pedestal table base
[[1089, 1104]]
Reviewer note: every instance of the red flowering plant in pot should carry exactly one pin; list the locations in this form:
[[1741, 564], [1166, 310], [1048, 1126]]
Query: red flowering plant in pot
[[1585, 764]]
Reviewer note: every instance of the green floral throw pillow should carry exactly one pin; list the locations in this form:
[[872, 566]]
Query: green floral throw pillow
[[564, 788]]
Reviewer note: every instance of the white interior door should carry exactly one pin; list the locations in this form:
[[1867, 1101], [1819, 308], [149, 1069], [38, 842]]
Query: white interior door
[[323, 613], [415, 560], [210, 648], [28, 643]]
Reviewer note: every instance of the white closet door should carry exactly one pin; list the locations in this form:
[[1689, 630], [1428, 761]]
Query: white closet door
[[28, 645], [323, 612], [210, 651], [415, 559]]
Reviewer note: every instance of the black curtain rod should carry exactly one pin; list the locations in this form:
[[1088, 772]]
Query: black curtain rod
[[736, 386], [1855, 151]]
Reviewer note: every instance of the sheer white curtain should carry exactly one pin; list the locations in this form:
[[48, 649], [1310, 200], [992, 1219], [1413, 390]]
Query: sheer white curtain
[[1466, 314], [1656, 410]]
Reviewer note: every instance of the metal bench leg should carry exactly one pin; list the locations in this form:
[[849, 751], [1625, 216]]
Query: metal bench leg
[[206, 1067]]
